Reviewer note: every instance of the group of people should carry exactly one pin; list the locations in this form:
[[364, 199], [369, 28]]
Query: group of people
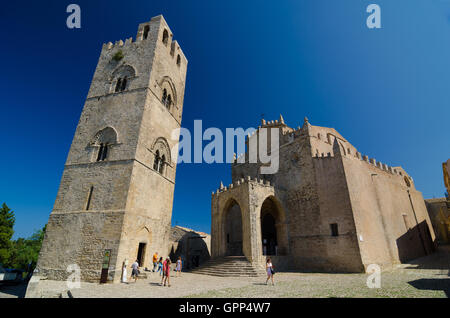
[[163, 268], [160, 266]]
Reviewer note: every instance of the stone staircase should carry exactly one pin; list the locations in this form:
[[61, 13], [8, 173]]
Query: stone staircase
[[229, 266]]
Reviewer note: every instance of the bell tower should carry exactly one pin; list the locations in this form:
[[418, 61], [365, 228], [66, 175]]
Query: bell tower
[[115, 199]]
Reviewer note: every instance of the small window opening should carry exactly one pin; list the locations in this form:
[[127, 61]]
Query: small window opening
[[146, 31], [165, 37], [88, 202], [334, 229]]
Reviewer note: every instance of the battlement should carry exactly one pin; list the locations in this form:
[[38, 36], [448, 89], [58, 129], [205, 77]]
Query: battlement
[[241, 182], [156, 29], [370, 161]]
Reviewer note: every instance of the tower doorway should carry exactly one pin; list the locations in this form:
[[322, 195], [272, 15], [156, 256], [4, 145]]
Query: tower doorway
[[141, 254], [233, 230]]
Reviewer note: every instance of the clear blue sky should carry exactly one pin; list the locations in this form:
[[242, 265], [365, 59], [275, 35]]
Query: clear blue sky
[[387, 91]]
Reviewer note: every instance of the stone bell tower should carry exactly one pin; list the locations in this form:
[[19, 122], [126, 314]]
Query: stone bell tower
[[115, 199]]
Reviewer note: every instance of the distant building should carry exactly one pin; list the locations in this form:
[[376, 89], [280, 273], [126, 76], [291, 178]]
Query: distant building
[[192, 246], [328, 208], [439, 210]]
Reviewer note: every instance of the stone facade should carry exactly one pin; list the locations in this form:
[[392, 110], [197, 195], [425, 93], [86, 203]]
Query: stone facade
[[439, 212], [116, 191], [193, 247], [439, 209], [328, 208]]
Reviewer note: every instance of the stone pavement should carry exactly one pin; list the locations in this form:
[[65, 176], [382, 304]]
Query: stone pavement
[[425, 277]]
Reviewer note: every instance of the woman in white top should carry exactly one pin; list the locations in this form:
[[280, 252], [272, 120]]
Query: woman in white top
[[269, 270]]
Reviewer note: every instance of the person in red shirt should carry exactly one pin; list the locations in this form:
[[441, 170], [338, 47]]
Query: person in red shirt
[[166, 270]]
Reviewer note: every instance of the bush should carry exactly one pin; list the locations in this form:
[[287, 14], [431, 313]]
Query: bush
[[118, 56]]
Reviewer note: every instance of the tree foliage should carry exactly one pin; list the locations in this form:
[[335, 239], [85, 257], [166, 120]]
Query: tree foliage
[[7, 221], [26, 251], [21, 252]]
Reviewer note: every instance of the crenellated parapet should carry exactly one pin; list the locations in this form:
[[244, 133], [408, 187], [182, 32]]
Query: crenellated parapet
[[242, 182], [364, 158]]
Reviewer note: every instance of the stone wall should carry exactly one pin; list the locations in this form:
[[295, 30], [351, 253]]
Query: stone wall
[[439, 213]]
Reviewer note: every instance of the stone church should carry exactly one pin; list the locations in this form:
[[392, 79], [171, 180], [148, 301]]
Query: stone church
[[327, 209], [115, 198]]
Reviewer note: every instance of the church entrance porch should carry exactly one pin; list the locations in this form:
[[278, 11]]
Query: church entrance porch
[[233, 230], [273, 228], [248, 220]]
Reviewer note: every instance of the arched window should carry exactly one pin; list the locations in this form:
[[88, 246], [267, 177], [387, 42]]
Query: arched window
[[178, 59], [122, 77], [161, 164], [164, 96], [118, 85], [156, 163], [103, 140], [124, 84], [161, 150], [102, 152], [146, 31], [121, 84], [169, 102], [165, 37]]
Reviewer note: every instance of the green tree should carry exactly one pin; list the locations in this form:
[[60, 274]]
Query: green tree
[[7, 221], [26, 251]]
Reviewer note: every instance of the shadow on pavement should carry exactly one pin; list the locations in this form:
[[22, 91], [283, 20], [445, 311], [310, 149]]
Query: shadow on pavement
[[13, 291], [432, 284]]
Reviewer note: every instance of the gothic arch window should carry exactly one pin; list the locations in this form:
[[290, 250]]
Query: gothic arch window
[[146, 31], [162, 164], [168, 102], [121, 78], [164, 96], [103, 141], [178, 60], [124, 83], [118, 85], [157, 161], [161, 152], [165, 37], [168, 95]]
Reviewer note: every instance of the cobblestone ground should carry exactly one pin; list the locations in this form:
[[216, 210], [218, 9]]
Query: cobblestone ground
[[426, 277]]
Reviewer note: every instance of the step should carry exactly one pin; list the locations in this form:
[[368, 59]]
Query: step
[[229, 266]]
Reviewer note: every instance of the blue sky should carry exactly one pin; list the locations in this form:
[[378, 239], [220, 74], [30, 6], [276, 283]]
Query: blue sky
[[387, 90]]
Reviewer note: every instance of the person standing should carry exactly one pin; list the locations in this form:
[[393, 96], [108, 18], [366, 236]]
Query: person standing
[[160, 266], [179, 266], [135, 270], [269, 270], [167, 272], [164, 264], [124, 271], [155, 261]]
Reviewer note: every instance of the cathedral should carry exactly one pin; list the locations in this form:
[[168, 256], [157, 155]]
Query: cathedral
[[327, 209]]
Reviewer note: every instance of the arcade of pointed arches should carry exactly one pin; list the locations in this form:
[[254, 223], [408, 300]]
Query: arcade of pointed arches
[[271, 220]]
